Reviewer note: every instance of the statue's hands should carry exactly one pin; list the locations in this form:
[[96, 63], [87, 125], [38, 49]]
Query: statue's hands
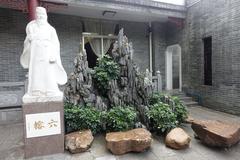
[[30, 37], [52, 60]]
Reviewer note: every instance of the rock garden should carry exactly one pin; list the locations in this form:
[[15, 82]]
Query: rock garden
[[116, 100]]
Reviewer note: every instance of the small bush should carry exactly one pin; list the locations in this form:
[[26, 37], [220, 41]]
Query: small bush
[[105, 71], [179, 109], [155, 98], [120, 118], [161, 117], [174, 109], [80, 118]]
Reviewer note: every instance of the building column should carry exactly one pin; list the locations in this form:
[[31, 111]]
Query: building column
[[32, 4]]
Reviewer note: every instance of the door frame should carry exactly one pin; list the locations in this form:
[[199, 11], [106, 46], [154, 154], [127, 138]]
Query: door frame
[[169, 66]]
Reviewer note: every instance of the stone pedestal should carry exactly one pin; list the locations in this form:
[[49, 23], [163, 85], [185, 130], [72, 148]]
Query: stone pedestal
[[43, 128]]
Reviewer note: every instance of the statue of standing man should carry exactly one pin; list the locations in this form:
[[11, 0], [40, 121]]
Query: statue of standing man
[[41, 55]]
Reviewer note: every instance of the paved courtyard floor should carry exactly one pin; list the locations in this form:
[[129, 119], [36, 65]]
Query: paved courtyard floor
[[11, 145]]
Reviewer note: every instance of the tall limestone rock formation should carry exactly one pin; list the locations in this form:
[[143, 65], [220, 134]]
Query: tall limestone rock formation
[[130, 88]]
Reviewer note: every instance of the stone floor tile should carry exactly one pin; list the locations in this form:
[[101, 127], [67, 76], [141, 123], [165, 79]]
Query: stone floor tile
[[98, 148], [60, 156], [108, 157], [172, 158], [12, 154], [159, 149], [147, 155], [82, 156]]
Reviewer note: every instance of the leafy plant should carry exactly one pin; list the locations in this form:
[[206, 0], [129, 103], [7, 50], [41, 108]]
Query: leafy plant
[[120, 118], [105, 71], [166, 112], [155, 98], [161, 117], [81, 117], [179, 109]]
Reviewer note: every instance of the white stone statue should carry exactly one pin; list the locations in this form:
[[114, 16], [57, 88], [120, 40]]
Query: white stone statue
[[41, 55]]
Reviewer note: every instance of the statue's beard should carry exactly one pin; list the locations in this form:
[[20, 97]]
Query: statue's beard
[[42, 22]]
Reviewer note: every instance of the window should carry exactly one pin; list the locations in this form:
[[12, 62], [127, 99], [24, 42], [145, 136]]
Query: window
[[96, 46], [207, 42]]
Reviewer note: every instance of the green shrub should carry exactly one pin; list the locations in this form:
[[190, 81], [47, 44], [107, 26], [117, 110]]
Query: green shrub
[[179, 109], [171, 105], [155, 98], [120, 118], [80, 118], [161, 117], [105, 71], [174, 102]]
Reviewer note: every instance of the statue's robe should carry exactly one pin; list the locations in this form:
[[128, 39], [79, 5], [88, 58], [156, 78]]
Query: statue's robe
[[40, 46]]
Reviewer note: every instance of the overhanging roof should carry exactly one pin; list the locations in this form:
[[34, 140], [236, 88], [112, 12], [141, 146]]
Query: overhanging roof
[[130, 10]]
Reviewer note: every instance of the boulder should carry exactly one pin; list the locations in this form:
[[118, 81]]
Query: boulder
[[136, 140], [178, 139], [78, 142], [216, 133]]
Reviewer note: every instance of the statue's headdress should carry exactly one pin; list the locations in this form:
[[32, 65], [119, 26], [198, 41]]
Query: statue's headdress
[[41, 10]]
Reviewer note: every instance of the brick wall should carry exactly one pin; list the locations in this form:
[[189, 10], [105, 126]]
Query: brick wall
[[159, 48], [137, 34], [12, 34], [69, 30], [219, 19]]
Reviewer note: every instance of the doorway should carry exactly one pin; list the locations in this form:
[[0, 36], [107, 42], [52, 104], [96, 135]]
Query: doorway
[[173, 60]]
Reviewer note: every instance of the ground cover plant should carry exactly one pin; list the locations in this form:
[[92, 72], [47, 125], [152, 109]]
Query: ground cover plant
[[82, 117], [121, 118], [161, 117]]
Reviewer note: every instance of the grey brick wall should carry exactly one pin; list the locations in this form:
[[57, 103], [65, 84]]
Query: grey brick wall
[[137, 34], [12, 34], [69, 30], [159, 48], [219, 19]]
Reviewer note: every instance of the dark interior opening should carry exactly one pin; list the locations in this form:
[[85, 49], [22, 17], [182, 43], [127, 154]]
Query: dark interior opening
[[175, 68], [91, 57], [109, 52], [207, 60]]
